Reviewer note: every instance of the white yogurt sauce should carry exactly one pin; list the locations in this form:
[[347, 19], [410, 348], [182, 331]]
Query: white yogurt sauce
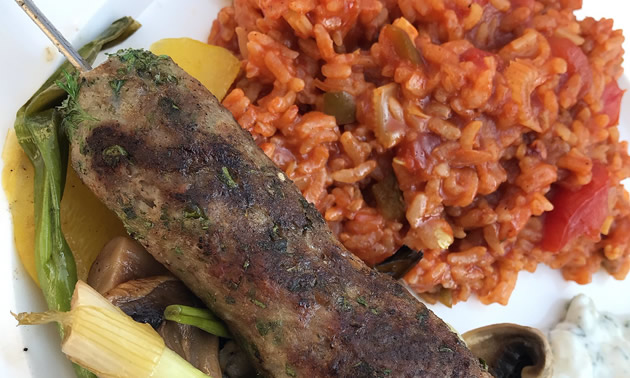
[[590, 344]]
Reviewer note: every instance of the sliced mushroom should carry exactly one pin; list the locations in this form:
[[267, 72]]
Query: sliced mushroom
[[511, 350], [122, 259], [129, 277], [234, 362], [145, 299], [196, 346]]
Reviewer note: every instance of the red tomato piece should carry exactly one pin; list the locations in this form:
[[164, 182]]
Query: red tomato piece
[[577, 212], [474, 55], [577, 62], [417, 154], [611, 97]]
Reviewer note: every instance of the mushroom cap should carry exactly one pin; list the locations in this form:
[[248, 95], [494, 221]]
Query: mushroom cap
[[122, 259], [196, 346], [508, 348], [145, 299]]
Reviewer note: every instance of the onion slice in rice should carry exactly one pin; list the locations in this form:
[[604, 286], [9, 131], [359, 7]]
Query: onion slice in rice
[[389, 131], [523, 78]]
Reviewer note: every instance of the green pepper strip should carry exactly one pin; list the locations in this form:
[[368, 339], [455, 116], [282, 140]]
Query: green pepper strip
[[37, 127], [341, 105], [403, 45], [389, 198]]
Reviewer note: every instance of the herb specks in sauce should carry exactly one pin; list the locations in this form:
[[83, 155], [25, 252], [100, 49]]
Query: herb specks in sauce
[[589, 343]]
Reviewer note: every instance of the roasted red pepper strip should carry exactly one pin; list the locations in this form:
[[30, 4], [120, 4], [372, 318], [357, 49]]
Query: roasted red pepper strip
[[577, 212]]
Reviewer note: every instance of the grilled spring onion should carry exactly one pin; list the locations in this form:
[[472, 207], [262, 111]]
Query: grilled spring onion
[[37, 127], [197, 317], [102, 338]]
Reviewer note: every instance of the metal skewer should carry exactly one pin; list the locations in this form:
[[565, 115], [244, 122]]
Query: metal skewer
[[54, 35]]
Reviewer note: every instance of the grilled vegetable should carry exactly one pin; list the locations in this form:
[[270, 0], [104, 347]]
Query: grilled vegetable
[[121, 260], [129, 278], [215, 67], [37, 130], [101, 337], [234, 363], [145, 299], [198, 317], [204, 200], [196, 346], [512, 350]]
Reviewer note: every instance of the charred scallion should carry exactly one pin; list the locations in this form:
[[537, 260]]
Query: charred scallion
[[104, 339], [38, 130]]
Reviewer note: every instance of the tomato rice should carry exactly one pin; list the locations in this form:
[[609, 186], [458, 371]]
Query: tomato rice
[[459, 126]]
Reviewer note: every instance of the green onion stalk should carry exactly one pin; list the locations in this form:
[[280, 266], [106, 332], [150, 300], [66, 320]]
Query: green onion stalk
[[98, 335], [198, 317], [38, 130]]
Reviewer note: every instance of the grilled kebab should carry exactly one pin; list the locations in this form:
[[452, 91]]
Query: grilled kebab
[[192, 187]]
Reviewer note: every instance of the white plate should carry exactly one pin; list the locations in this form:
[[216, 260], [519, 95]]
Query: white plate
[[29, 58]]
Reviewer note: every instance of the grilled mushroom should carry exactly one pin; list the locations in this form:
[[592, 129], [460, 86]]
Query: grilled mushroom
[[145, 299], [234, 362], [196, 346], [122, 259], [129, 277], [511, 350]]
